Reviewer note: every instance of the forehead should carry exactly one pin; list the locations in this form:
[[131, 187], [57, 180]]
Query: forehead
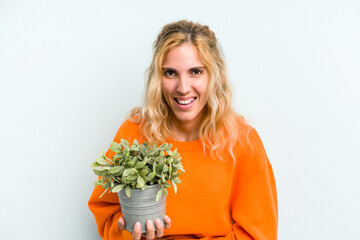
[[185, 55]]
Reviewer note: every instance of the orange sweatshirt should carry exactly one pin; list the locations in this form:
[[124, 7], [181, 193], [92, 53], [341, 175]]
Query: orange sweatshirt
[[215, 199]]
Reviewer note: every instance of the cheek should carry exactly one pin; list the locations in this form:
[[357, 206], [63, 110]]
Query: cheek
[[166, 87], [163, 87], [165, 92], [201, 87]]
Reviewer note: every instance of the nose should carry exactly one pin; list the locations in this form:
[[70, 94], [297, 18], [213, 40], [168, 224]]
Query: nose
[[183, 85]]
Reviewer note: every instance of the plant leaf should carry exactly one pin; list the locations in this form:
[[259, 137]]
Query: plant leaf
[[163, 146], [102, 154], [129, 164], [130, 171], [164, 190], [140, 181], [98, 182], [174, 185], [151, 175], [102, 161], [140, 165], [131, 178], [94, 165], [99, 172], [158, 195], [118, 188], [127, 191], [106, 185], [143, 172], [115, 169], [115, 144], [176, 174], [135, 142], [108, 159], [125, 144], [176, 180], [134, 148], [170, 169], [103, 193], [115, 149], [146, 179], [117, 156], [143, 149], [117, 179], [160, 167]]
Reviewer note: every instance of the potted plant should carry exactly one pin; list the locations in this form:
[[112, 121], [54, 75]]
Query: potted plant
[[140, 175]]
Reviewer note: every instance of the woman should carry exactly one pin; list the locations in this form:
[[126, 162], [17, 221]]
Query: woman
[[228, 189]]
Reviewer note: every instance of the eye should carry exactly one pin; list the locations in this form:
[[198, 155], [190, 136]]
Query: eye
[[169, 73], [196, 72]]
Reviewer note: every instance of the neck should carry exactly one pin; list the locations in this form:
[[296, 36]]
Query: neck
[[183, 135], [185, 131]]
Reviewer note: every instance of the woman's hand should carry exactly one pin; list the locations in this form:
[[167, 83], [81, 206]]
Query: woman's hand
[[150, 230]]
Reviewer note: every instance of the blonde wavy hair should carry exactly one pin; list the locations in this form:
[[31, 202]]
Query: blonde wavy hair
[[219, 129]]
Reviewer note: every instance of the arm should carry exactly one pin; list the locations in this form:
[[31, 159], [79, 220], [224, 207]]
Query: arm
[[107, 209], [254, 207], [254, 199], [254, 210]]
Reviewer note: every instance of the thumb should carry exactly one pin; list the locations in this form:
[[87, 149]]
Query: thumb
[[121, 223]]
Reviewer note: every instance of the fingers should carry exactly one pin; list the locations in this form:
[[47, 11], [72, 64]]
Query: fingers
[[150, 230], [136, 234], [167, 222], [121, 223], [159, 228]]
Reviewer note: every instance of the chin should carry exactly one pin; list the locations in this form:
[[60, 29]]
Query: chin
[[186, 118]]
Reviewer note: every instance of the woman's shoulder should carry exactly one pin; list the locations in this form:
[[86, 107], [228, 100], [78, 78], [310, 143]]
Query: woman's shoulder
[[248, 136], [129, 130], [250, 152], [131, 123], [243, 128]]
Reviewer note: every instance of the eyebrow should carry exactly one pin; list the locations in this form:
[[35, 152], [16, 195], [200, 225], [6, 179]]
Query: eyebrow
[[193, 68], [168, 69], [200, 68]]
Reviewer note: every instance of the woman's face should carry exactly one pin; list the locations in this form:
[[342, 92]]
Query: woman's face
[[184, 84]]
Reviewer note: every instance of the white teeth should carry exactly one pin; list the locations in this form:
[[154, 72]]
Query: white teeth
[[184, 102]]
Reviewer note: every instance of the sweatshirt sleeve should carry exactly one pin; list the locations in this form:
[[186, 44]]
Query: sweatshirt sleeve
[[254, 208], [107, 212], [254, 201], [107, 209]]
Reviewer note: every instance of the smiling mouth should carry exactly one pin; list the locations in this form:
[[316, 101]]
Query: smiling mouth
[[185, 102]]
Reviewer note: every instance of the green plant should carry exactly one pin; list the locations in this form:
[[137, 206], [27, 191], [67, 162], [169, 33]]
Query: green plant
[[138, 166]]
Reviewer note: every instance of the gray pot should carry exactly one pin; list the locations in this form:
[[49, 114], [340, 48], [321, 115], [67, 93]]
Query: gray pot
[[141, 206]]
